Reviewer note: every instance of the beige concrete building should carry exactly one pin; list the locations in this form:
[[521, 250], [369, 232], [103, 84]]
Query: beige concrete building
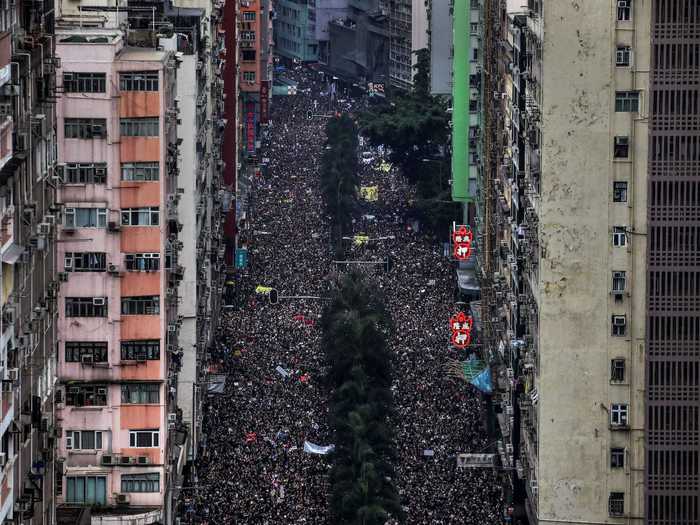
[[565, 292]]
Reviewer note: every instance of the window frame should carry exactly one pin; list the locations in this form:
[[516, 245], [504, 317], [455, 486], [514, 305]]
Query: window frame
[[621, 147], [616, 504], [618, 329], [623, 55], [80, 80], [86, 307], [619, 236], [619, 415], [96, 500], [82, 262], [142, 262], [74, 351], [133, 216], [85, 173], [139, 127], [98, 392], [76, 437], [618, 370], [619, 276], [617, 457], [153, 434], [72, 214], [140, 305], [144, 393], [140, 171], [627, 101], [139, 80], [620, 191], [624, 13], [146, 482], [140, 350], [84, 128]]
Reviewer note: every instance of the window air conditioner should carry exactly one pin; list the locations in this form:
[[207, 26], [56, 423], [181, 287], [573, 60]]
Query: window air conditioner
[[98, 301]]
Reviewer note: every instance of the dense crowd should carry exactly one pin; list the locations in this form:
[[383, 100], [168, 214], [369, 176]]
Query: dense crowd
[[253, 468]]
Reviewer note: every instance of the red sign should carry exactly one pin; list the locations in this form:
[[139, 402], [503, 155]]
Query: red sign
[[462, 238], [461, 326], [250, 127], [264, 102]]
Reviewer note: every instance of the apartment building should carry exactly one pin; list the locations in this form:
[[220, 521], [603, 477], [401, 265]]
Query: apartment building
[[255, 30], [118, 354], [408, 30], [28, 286], [200, 196], [564, 214]]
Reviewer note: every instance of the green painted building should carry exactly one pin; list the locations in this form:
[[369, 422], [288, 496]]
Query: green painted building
[[466, 100]]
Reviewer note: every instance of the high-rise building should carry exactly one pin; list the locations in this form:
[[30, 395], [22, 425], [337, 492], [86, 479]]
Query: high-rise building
[[28, 286], [408, 30], [301, 28], [577, 308], [255, 29]]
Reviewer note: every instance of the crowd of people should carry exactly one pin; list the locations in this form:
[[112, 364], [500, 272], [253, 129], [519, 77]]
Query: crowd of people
[[262, 460]]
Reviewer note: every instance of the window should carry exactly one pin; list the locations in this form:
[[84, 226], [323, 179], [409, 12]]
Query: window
[[627, 101], [140, 350], [141, 482], [619, 236], [84, 82], [85, 128], [141, 216], [622, 148], [140, 393], [617, 457], [141, 305], [85, 261], [624, 10], [86, 307], [249, 76], [86, 395], [616, 504], [85, 217], [86, 490], [620, 191], [619, 325], [75, 350], [249, 16], [619, 281], [142, 262], [144, 438], [85, 173], [248, 55], [139, 81], [141, 171], [247, 35], [617, 370], [84, 440], [139, 127], [623, 56], [618, 415]]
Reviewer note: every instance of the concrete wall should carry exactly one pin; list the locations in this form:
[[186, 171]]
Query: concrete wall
[[576, 217]]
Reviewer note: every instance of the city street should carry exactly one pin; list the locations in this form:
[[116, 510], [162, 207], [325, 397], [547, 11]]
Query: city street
[[254, 468]]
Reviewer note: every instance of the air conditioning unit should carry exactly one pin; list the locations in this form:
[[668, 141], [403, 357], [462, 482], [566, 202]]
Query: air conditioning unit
[[172, 417], [113, 226], [98, 301], [13, 374], [623, 3], [6, 109], [172, 328], [43, 228], [121, 499], [143, 460], [619, 320], [87, 359], [113, 269], [100, 172], [8, 315], [109, 460], [127, 460], [102, 391], [63, 277]]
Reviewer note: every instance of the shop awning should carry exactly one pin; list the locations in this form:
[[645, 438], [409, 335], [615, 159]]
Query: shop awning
[[466, 280]]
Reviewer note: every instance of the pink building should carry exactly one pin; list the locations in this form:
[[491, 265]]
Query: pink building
[[117, 257]]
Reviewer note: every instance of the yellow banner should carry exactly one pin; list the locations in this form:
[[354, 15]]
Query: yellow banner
[[369, 193], [359, 240], [262, 289]]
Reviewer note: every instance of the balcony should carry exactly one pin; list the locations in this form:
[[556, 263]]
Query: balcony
[[6, 150]]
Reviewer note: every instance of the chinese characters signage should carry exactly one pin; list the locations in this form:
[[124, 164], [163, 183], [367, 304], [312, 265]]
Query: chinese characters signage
[[461, 326], [462, 237]]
